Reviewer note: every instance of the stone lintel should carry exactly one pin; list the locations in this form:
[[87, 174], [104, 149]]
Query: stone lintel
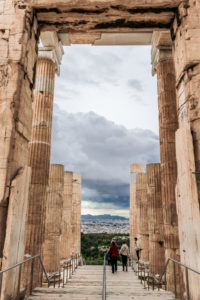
[[132, 38], [161, 48]]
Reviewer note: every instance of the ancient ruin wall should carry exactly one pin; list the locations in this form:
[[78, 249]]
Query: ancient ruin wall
[[66, 237]]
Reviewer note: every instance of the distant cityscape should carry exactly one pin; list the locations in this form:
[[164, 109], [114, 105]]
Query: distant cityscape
[[104, 224]]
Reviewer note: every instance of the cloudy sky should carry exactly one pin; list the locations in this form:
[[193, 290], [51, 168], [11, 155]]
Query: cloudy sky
[[105, 118]]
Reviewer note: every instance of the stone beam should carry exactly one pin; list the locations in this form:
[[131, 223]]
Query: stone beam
[[142, 38], [85, 20], [102, 3]]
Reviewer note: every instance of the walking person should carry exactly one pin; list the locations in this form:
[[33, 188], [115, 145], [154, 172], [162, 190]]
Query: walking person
[[124, 251], [113, 251], [137, 248]]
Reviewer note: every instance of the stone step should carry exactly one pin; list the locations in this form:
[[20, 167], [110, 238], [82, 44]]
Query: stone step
[[87, 282]]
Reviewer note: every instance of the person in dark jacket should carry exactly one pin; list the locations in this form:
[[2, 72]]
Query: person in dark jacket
[[113, 251]]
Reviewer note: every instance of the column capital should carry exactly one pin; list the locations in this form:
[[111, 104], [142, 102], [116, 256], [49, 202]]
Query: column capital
[[161, 48], [52, 48]]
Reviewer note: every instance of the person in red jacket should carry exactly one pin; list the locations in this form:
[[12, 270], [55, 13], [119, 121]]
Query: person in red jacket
[[113, 251]]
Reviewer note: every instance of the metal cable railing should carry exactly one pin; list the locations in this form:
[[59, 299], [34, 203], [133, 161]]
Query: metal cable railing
[[146, 277], [104, 278], [56, 279], [187, 269]]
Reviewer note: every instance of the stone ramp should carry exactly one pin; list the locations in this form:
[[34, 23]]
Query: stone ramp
[[86, 284]]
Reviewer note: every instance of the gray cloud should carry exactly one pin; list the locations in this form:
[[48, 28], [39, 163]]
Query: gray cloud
[[102, 152], [135, 84]]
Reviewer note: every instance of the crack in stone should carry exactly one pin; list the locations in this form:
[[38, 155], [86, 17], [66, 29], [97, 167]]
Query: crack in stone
[[122, 23]]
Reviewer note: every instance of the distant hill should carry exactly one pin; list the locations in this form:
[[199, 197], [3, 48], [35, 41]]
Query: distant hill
[[102, 217]]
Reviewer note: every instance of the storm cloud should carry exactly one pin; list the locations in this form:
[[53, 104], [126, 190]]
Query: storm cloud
[[105, 98], [102, 152]]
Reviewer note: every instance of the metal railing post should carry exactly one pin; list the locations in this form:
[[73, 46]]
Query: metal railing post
[[174, 269], [19, 282], [32, 271], [187, 284], [1, 276], [59, 278], [104, 278]]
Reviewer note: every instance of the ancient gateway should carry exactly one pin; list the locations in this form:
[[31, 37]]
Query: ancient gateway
[[31, 190]]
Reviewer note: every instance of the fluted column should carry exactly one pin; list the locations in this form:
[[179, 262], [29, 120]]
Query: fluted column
[[186, 52], [40, 145], [53, 224], [76, 214], [66, 237], [141, 202], [18, 55], [40, 154], [134, 231], [155, 219], [168, 124]]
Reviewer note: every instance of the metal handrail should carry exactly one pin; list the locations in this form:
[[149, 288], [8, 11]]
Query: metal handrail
[[141, 272], [71, 264], [104, 278], [175, 262], [20, 271]]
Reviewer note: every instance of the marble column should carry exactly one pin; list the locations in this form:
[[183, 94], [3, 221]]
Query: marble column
[[134, 221], [53, 223], [16, 80], [66, 237], [18, 55], [186, 43], [48, 64], [163, 64], [142, 215], [155, 220], [76, 214]]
